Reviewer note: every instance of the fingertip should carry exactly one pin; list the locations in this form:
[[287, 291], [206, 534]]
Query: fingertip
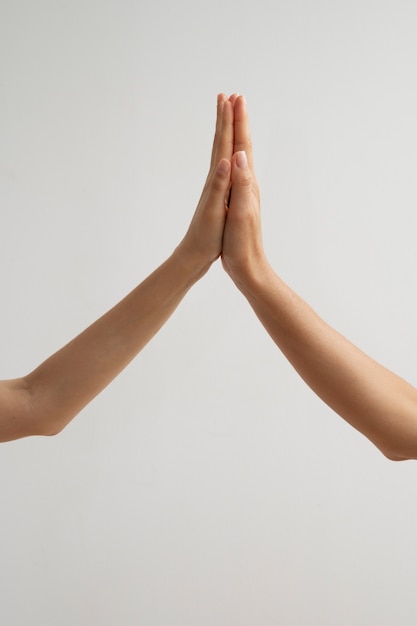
[[240, 107], [241, 160], [227, 106], [223, 167], [241, 173]]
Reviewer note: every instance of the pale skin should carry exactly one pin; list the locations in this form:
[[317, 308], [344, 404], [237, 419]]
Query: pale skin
[[44, 401], [372, 399]]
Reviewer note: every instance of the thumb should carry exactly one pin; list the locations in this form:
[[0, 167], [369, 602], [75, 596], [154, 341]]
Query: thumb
[[241, 179], [221, 179], [218, 184]]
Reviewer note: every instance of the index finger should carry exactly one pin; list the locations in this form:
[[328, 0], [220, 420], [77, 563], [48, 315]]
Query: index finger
[[242, 136], [223, 139]]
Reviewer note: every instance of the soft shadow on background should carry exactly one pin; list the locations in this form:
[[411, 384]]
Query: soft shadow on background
[[207, 485]]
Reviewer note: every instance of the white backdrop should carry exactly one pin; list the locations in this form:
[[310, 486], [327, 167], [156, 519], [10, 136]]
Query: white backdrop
[[207, 485]]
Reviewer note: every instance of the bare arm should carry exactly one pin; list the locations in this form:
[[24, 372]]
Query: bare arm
[[47, 399], [372, 399]]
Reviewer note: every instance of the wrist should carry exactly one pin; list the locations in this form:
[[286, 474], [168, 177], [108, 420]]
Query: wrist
[[250, 275], [191, 263]]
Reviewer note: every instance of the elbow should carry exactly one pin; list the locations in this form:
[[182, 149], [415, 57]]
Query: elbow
[[40, 422], [398, 443], [400, 452], [393, 456], [44, 426], [48, 429]]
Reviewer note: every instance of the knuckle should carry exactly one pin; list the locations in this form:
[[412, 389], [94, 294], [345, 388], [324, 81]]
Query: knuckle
[[245, 180], [218, 182], [244, 145]]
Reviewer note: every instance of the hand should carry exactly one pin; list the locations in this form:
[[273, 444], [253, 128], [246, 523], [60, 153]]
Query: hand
[[242, 252], [203, 240]]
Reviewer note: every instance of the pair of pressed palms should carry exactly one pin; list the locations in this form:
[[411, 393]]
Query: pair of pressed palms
[[225, 224]]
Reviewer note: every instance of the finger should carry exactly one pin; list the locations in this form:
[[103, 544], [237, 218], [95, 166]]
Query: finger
[[242, 137], [221, 99], [241, 177], [221, 179], [224, 147], [233, 97], [217, 188]]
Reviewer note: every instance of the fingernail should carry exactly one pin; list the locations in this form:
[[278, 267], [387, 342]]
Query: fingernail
[[223, 167], [241, 160]]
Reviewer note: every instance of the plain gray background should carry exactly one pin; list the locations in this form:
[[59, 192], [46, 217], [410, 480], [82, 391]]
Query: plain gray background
[[207, 485]]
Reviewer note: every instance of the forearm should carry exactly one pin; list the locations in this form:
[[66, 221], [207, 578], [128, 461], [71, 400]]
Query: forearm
[[47, 399], [375, 401], [61, 386]]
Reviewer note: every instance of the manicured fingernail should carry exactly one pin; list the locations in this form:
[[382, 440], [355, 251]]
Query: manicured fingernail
[[223, 167], [241, 160]]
